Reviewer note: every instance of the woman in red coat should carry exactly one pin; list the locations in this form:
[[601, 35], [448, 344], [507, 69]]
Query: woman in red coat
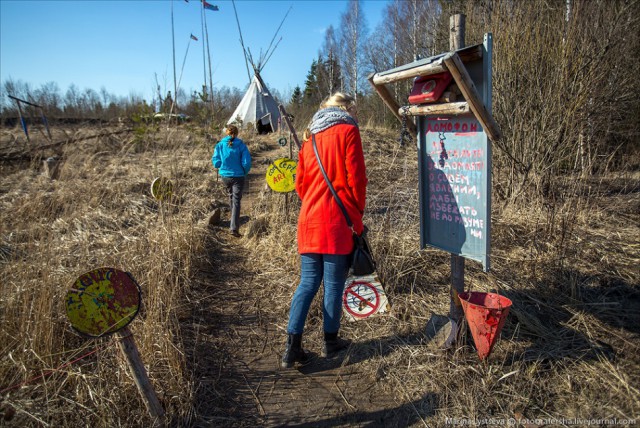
[[324, 238]]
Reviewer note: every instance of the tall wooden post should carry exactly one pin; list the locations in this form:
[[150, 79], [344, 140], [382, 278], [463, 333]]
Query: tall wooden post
[[456, 41]]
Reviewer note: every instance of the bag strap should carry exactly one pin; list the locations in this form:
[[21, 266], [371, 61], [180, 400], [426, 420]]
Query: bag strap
[[333, 190]]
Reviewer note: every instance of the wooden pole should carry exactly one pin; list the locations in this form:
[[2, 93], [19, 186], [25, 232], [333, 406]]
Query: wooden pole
[[206, 31], [457, 29], [468, 89], [139, 373], [173, 39], [456, 41], [283, 113], [388, 99]]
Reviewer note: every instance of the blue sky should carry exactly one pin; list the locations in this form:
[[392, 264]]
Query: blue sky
[[123, 44]]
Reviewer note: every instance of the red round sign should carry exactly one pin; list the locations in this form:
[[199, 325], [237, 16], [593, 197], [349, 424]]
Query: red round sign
[[361, 299]]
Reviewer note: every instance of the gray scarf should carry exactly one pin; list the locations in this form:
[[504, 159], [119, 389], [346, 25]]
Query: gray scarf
[[328, 117]]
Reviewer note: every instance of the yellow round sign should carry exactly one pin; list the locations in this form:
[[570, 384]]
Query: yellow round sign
[[161, 188], [281, 175], [102, 301]]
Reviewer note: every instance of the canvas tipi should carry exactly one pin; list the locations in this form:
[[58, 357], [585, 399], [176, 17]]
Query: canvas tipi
[[257, 109]]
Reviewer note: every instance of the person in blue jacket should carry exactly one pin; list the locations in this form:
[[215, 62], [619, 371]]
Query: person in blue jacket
[[233, 160]]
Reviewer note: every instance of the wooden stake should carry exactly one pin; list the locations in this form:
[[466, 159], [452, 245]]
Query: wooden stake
[[139, 373], [456, 41]]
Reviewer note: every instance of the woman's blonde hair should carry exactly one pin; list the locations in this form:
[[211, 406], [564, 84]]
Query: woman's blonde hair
[[339, 99]]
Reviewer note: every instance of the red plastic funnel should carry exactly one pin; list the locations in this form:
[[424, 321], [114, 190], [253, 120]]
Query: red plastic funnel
[[485, 314]]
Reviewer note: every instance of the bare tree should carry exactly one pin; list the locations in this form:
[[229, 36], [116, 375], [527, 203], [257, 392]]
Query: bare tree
[[329, 71], [353, 32]]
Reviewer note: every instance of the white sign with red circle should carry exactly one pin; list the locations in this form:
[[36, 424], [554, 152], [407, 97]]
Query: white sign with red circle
[[363, 297]]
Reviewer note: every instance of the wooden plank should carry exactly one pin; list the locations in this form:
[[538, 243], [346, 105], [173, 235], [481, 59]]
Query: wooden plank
[[467, 55], [424, 70], [391, 103], [453, 109], [470, 93]]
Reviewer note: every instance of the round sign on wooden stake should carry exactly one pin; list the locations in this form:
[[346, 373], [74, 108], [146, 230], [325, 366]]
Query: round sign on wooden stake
[[102, 301], [281, 175], [161, 188]]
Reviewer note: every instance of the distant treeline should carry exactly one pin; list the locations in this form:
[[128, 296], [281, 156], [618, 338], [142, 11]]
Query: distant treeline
[[11, 122], [565, 79], [89, 106]]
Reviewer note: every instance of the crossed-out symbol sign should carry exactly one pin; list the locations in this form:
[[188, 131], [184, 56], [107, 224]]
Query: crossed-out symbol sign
[[361, 299]]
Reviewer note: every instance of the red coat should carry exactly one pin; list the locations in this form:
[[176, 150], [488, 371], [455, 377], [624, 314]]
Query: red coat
[[322, 227]]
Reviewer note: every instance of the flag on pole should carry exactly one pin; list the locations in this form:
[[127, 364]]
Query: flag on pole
[[209, 6], [194, 37]]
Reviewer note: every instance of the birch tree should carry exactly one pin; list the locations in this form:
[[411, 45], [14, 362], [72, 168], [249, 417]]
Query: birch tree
[[353, 31], [329, 70]]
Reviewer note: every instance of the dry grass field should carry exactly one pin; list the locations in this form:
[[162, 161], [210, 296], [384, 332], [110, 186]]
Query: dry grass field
[[214, 313]]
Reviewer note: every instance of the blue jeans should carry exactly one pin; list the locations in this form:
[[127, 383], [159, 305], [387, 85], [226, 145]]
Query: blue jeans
[[314, 267]]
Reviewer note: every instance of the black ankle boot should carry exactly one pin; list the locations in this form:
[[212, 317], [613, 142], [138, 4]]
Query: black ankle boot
[[294, 352], [333, 344]]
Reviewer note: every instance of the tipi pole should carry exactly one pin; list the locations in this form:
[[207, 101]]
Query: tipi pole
[[276, 33], [244, 51]]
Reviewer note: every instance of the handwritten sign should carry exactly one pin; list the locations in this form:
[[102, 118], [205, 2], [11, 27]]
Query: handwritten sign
[[102, 301], [455, 186], [455, 175], [281, 175]]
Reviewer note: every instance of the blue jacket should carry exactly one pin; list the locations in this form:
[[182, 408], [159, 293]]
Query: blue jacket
[[234, 161]]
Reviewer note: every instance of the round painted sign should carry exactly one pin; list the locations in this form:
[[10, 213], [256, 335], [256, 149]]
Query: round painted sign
[[161, 188], [281, 175], [102, 301], [361, 299]]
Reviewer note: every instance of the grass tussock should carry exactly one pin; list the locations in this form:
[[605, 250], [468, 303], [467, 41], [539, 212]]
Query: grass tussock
[[569, 263]]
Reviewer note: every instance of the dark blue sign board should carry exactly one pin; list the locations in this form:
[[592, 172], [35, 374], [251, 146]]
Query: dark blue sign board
[[454, 159]]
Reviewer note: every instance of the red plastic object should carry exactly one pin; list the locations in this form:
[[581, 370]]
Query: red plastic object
[[485, 314], [427, 89]]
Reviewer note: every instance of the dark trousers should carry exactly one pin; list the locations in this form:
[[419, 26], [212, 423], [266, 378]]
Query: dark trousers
[[235, 185]]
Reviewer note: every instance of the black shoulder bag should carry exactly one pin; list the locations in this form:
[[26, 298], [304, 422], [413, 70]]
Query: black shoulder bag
[[362, 262]]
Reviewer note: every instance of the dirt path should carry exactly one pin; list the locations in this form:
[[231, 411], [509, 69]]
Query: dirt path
[[236, 348]]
